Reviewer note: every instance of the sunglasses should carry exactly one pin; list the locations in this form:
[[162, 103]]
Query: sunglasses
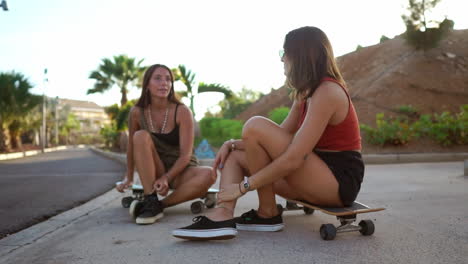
[[281, 53]]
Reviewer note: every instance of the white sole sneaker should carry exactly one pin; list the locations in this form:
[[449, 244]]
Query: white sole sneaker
[[148, 220], [208, 234], [260, 228]]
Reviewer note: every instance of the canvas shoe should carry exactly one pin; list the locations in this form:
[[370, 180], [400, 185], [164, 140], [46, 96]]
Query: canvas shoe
[[250, 221], [151, 211], [205, 229]]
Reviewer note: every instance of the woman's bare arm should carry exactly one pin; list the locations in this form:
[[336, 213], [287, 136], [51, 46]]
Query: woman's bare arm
[[291, 121]]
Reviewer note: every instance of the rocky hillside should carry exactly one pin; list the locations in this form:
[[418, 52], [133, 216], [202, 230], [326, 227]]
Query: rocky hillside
[[389, 74]]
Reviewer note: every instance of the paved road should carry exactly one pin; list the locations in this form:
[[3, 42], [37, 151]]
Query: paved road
[[35, 188], [425, 222]]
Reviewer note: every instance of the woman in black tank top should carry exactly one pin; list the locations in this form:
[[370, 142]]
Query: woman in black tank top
[[160, 147]]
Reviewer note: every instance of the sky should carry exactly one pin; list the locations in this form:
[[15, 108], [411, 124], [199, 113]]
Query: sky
[[234, 43]]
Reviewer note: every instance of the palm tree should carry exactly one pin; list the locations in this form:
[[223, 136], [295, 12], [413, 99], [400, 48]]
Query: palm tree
[[122, 71], [16, 102], [187, 77]]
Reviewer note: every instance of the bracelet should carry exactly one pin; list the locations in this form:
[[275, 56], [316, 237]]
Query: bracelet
[[240, 189], [233, 146]]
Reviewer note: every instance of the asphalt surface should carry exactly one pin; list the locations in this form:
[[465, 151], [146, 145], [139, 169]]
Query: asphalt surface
[[425, 221], [33, 189]]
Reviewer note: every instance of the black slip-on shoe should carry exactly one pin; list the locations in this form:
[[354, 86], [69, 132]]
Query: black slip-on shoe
[[250, 221], [205, 229]]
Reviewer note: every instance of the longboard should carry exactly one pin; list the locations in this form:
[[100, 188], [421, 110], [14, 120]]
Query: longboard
[[346, 215]]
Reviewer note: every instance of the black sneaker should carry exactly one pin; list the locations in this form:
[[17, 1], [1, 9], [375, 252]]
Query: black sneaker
[[135, 208], [205, 229], [250, 221], [152, 210]]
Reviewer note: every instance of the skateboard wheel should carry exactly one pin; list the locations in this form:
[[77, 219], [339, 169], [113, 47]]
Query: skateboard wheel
[[308, 211], [367, 227], [197, 207], [135, 208], [210, 200], [126, 201], [209, 203], [328, 232], [280, 208]]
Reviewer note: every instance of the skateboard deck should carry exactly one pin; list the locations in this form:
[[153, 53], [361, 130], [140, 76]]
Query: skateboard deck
[[355, 208]]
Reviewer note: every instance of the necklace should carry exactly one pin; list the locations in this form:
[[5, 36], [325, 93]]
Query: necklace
[[151, 120]]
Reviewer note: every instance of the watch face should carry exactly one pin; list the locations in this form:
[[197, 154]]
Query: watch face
[[246, 185]]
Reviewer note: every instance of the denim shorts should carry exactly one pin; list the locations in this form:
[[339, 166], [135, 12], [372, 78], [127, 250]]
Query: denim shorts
[[348, 168]]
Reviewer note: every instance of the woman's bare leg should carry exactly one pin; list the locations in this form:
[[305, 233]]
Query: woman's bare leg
[[192, 183], [314, 182], [143, 150], [235, 167]]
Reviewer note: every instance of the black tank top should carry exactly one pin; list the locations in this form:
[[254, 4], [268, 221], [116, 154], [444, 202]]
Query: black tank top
[[172, 137]]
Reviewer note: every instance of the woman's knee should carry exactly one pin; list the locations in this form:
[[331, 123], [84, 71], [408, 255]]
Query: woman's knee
[[142, 138], [208, 177], [253, 126]]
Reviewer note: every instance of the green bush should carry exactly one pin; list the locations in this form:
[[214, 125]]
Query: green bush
[[445, 128], [393, 131], [218, 130], [278, 114], [110, 135]]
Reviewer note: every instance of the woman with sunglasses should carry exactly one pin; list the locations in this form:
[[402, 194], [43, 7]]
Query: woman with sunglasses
[[314, 155], [160, 147]]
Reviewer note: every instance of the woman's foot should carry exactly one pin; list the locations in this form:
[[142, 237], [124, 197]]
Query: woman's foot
[[205, 229], [251, 221]]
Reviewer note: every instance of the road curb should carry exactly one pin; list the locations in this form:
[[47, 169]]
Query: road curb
[[368, 158], [17, 155]]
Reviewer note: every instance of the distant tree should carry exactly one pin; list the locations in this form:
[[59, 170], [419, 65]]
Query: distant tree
[[421, 32], [237, 103], [359, 47], [187, 77], [122, 71], [383, 38], [16, 102]]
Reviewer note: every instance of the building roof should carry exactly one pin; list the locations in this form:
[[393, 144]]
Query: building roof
[[80, 104]]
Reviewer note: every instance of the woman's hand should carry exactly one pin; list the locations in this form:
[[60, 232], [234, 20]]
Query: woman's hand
[[125, 184], [161, 185], [229, 193], [221, 156]]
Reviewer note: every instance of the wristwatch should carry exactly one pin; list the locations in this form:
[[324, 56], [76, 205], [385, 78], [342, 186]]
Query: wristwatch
[[246, 184]]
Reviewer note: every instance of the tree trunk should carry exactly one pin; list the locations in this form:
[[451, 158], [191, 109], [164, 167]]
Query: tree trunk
[[4, 140], [123, 101]]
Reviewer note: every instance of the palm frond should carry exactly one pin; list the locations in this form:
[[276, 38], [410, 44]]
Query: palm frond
[[214, 87]]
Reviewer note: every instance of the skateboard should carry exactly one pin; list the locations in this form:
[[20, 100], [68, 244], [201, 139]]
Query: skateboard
[[346, 216], [134, 201]]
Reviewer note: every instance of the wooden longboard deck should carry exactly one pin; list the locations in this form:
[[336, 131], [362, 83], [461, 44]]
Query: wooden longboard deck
[[355, 208]]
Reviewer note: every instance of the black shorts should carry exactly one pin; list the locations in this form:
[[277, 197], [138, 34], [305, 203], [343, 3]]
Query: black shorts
[[348, 168]]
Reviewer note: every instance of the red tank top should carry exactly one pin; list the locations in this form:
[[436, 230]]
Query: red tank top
[[343, 136]]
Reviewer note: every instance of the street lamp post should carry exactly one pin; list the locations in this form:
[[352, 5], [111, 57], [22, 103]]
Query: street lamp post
[[44, 131]]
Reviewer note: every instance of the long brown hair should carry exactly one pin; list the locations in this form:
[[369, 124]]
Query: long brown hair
[[145, 98], [311, 59]]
